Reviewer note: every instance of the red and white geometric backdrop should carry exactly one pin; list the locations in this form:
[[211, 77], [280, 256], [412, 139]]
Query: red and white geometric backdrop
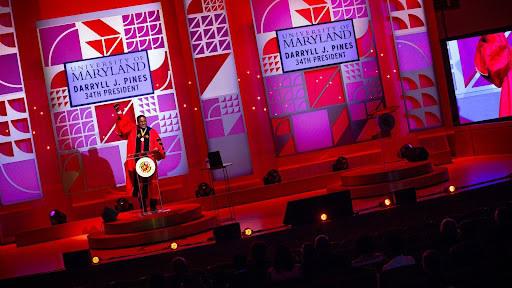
[[321, 107], [217, 79], [86, 140], [19, 176], [415, 62]]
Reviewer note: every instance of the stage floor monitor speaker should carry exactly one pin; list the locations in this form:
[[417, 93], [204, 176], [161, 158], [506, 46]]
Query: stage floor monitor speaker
[[405, 197], [76, 259], [227, 232], [308, 211]]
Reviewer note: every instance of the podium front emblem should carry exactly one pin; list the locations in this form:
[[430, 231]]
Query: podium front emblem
[[145, 167]]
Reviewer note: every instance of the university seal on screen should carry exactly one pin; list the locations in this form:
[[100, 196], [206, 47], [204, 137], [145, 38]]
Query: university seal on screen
[[108, 78], [317, 45]]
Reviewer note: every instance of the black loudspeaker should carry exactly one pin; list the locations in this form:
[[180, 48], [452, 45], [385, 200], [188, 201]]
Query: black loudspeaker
[[227, 232], [405, 197], [215, 160], [76, 259], [307, 211]]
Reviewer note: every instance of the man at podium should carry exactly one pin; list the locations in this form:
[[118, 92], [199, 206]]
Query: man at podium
[[142, 142]]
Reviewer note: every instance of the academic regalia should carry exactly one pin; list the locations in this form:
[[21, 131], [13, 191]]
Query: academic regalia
[[493, 59], [139, 141]]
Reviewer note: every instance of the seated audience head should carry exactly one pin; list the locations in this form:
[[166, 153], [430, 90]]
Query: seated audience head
[[503, 216], [322, 243], [448, 230]]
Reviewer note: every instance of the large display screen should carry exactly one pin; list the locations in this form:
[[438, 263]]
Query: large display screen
[[108, 78], [317, 45], [481, 76]]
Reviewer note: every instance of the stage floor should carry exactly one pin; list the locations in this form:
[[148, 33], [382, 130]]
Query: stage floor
[[261, 217]]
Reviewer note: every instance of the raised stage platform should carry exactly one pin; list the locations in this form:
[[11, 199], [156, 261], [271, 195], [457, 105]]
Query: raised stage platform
[[378, 180], [134, 229], [260, 208]]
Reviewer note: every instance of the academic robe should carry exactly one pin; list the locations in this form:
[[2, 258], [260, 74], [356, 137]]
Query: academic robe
[[128, 130], [493, 59]]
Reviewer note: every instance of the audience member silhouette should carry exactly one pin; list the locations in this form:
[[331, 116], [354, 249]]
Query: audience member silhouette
[[258, 265], [182, 277], [308, 260], [283, 267], [448, 235]]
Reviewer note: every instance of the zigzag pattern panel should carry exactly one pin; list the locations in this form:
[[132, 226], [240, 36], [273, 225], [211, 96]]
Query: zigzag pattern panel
[[19, 175], [221, 106], [87, 134], [322, 107], [415, 61]]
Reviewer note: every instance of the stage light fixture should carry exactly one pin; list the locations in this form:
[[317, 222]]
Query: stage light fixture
[[123, 205], [272, 177], [418, 154], [451, 189], [174, 245], [413, 154], [387, 202], [340, 164], [406, 151], [109, 215], [247, 232], [204, 190], [323, 217], [95, 260], [57, 217]]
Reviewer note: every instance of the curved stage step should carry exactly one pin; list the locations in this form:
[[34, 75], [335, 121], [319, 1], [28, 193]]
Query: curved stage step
[[132, 222], [390, 172], [132, 229], [382, 180]]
